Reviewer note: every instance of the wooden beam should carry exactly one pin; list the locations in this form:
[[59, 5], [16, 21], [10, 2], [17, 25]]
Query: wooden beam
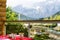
[[2, 19], [2, 1], [2, 14], [2, 5], [2, 9], [35, 21]]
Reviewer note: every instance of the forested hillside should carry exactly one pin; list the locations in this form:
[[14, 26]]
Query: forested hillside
[[54, 17]]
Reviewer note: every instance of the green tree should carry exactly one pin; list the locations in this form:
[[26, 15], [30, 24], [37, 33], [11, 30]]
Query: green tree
[[11, 15]]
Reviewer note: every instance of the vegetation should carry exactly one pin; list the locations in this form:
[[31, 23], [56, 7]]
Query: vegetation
[[11, 15], [15, 27], [41, 37]]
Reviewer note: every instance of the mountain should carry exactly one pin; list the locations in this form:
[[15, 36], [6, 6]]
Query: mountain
[[29, 12], [23, 17], [33, 12], [54, 17]]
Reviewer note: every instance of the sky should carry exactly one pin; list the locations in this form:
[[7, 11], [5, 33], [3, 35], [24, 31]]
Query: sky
[[44, 8], [22, 2], [27, 2]]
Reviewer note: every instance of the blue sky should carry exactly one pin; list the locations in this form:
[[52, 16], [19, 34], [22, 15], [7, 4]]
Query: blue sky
[[44, 8]]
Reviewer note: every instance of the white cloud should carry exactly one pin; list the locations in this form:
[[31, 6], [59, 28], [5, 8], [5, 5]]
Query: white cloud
[[50, 2], [22, 2], [11, 3], [39, 9], [58, 0]]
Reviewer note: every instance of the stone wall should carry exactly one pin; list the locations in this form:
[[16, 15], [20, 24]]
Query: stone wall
[[2, 15]]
